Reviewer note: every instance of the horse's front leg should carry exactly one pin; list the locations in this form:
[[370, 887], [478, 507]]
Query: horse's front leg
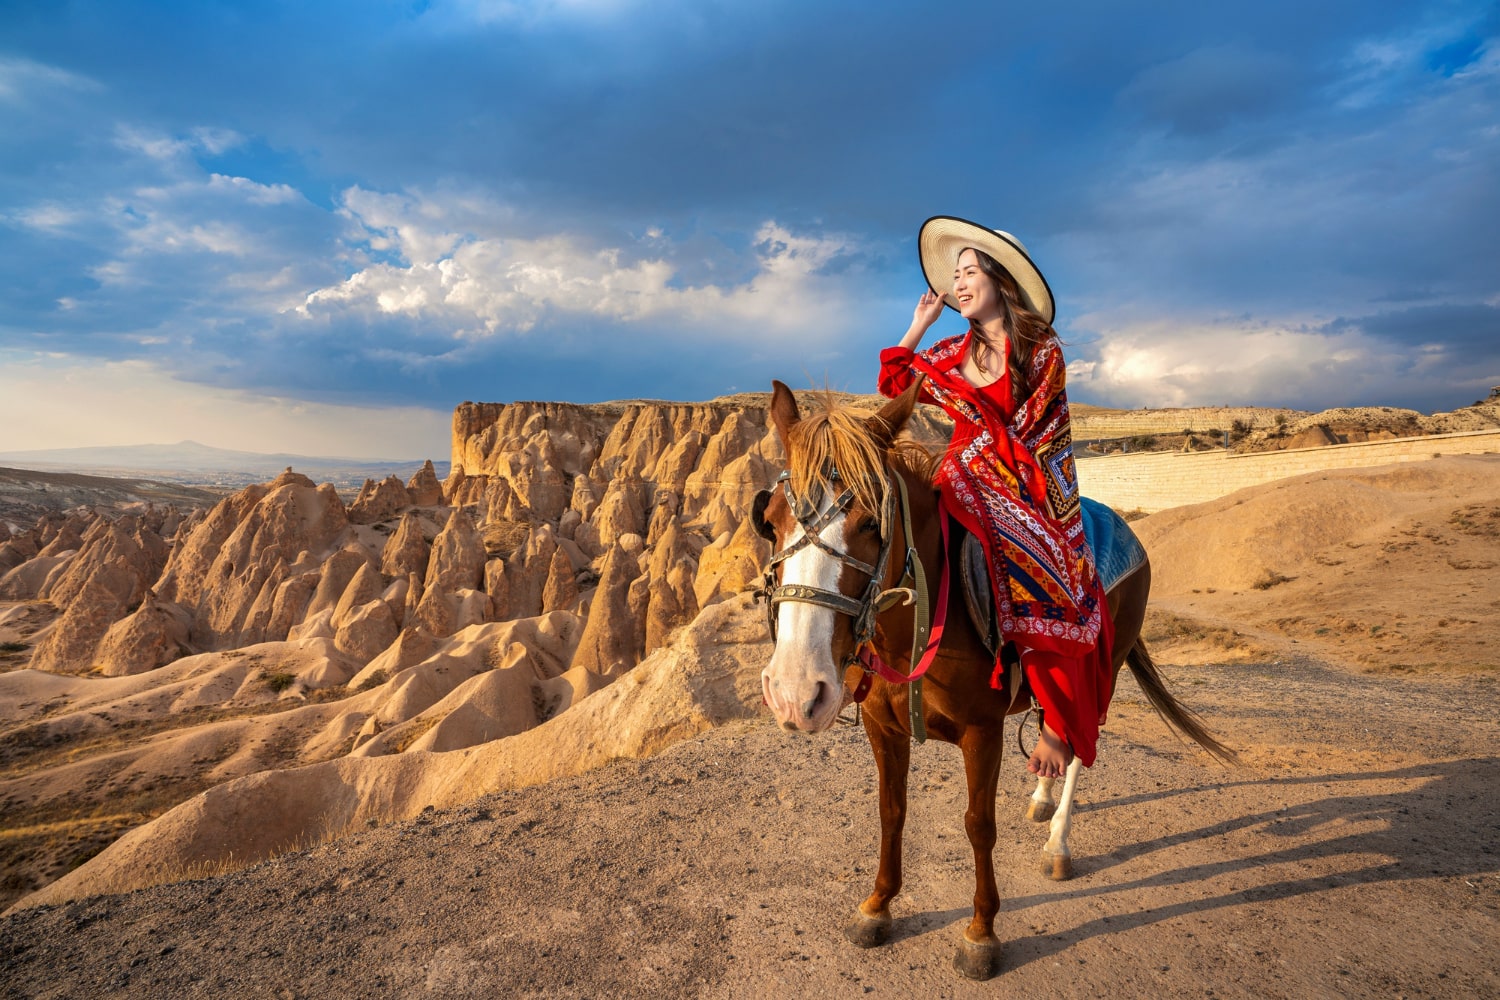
[[872, 921], [1057, 860], [978, 955]]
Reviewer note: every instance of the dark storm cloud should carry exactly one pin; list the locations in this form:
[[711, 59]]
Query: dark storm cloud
[[1467, 328]]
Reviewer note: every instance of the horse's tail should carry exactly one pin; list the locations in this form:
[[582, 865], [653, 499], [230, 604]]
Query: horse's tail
[[1173, 712]]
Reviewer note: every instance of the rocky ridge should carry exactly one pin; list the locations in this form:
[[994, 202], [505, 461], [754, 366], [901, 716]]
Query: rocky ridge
[[568, 544]]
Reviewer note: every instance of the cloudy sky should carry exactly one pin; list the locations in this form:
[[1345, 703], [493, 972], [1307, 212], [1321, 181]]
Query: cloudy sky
[[316, 227]]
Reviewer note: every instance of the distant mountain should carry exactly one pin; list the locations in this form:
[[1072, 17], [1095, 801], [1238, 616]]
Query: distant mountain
[[191, 462]]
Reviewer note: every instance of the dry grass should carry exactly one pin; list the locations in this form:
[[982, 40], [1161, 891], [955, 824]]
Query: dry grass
[[279, 681], [1270, 578], [376, 679], [1477, 519], [1166, 628], [27, 749], [41, 843], [410, 731]]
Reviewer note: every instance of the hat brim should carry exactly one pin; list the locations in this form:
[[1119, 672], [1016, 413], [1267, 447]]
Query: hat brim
[[943, 237]]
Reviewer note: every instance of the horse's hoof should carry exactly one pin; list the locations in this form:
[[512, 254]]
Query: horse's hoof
[[1040, 812], [977, 961], [868, 932], [1057, 867]]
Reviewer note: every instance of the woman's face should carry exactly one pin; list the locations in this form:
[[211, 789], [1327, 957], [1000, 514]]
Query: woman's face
[[978, 297]]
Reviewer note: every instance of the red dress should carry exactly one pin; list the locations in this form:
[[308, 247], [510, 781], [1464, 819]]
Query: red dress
[[1008, 477]]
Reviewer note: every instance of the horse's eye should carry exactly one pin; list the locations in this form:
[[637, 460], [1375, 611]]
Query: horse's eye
[[870, 525]]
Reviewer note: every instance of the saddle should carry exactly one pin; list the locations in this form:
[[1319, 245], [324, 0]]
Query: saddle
[[1117, 554]]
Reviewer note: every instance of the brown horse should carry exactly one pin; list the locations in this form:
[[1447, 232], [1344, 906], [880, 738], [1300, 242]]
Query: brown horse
[[838, 531]]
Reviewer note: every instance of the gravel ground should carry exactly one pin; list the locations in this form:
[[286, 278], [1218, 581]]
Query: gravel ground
[[1353, 855]]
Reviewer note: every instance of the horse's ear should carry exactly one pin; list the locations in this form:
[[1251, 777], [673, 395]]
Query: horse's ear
[[784, 413], [758, 516], [885, 425]]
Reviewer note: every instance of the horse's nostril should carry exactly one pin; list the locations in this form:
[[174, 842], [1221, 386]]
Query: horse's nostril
[[811, 708]]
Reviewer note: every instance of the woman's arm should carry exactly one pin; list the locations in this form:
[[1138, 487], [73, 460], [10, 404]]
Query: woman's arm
[[895, 362]]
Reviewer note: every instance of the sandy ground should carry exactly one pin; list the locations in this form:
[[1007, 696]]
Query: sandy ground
[[1353, 855], [1341, 631]]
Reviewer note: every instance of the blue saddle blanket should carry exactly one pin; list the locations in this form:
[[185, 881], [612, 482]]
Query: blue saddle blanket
[[1117, 552]]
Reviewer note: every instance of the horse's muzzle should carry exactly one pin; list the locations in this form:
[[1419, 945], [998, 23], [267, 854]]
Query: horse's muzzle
[[809, 706]]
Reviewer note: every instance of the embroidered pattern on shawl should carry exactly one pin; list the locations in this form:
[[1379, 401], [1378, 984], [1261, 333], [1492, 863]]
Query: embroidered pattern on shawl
[[1041, 567]]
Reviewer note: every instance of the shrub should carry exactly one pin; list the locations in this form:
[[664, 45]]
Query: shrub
[[1270, 579], [376, 679]]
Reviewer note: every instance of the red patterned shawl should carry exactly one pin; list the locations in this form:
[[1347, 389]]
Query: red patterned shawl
[[1008, 477]]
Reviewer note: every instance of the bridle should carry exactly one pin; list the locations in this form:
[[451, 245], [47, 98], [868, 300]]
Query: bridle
[[876, 597]]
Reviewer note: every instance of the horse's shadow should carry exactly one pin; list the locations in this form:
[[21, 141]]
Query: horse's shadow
[[1444, 827]]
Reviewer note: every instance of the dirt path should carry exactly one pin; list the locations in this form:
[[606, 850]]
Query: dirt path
[[1353, 856]]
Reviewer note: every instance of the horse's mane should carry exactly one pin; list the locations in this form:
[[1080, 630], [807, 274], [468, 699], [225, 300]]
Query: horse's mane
[[836, 437]]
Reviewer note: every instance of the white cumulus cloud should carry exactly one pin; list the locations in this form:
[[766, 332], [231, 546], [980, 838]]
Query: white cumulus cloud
[[1186, 362], [461, 272]]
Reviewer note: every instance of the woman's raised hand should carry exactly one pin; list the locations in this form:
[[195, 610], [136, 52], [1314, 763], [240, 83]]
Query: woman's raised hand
[[929, 308]]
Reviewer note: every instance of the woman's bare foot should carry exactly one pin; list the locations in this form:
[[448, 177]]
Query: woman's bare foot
[[1051, 757]]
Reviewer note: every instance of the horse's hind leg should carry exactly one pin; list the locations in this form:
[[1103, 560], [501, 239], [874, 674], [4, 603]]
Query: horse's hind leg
[[1057, 861], [978, 955], [1041, 807], [871, 925]]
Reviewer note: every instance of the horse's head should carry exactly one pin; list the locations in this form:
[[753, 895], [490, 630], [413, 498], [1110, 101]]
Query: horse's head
[[829, 523]]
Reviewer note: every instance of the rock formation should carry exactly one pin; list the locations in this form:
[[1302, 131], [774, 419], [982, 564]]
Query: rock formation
[[153, 635], [458, 555], [613, 638], [406, 551], [382, 501], [424, 488]]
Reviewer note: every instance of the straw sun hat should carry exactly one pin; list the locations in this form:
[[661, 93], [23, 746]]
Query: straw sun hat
[[944, 237]]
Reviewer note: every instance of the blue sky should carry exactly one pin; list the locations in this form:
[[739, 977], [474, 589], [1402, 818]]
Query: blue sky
[[316, 227]]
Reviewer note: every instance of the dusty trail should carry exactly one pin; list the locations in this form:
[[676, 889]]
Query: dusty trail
[[1353, 856]]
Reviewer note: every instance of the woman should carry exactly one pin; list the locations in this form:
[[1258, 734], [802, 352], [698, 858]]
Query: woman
[[1008, 473]]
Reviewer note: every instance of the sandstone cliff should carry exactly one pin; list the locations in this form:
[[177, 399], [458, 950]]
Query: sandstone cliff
[[282, 627]]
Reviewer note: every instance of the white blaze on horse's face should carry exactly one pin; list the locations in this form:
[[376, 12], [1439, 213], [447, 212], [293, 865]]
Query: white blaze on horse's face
[[802, 684]]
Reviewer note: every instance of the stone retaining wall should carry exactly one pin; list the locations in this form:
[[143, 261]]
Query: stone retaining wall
[[1158, 480], [1093, 423]]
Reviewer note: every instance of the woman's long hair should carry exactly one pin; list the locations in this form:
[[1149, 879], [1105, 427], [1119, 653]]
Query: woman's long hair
[[1025, 328]]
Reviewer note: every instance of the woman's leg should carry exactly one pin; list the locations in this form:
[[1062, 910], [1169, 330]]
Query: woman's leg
[[1051, 757]]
